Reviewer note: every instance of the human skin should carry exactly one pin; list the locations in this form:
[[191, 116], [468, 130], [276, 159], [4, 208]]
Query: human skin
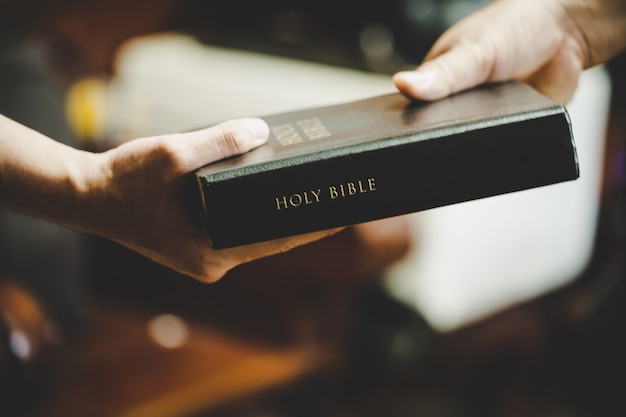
[[133, 194], [545, 43]]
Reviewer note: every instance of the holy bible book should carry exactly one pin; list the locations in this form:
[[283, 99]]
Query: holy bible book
[[386, 156]]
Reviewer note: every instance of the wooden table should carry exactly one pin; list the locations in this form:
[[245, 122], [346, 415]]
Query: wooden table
[[117, 370]]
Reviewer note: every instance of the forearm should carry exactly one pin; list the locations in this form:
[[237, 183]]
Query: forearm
[[42, 177]]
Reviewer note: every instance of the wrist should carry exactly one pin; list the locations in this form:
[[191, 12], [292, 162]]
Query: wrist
[[94, 199], [85, 191], [42, 177], [62, 193]]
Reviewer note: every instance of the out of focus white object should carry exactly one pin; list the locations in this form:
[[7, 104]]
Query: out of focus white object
[[476, 258], [170, 83]]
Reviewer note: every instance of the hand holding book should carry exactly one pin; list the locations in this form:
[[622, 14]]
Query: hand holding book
[[545, 44], [135, 194]]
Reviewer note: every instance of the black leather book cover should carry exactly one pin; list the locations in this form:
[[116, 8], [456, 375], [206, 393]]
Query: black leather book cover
[[386, 156]]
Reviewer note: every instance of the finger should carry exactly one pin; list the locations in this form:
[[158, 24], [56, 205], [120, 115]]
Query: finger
[[460, 68], [202, 147], [258, 250], [226, 259], [558, 79]]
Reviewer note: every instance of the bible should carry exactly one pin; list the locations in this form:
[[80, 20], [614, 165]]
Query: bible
[[386, 156]]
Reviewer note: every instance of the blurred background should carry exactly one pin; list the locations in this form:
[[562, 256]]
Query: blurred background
[[508, 306]]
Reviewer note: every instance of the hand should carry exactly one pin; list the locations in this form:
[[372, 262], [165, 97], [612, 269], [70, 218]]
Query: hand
[[544, 43], [135, 194], [142, 200]]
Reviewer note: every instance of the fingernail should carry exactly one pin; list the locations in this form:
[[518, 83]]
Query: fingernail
[[259, 130], [417, 78]]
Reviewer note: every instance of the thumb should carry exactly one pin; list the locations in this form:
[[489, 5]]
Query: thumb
[[202, 147], [459, 68]]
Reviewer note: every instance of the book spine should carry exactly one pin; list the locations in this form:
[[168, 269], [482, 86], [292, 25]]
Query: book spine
[[417, 175]]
